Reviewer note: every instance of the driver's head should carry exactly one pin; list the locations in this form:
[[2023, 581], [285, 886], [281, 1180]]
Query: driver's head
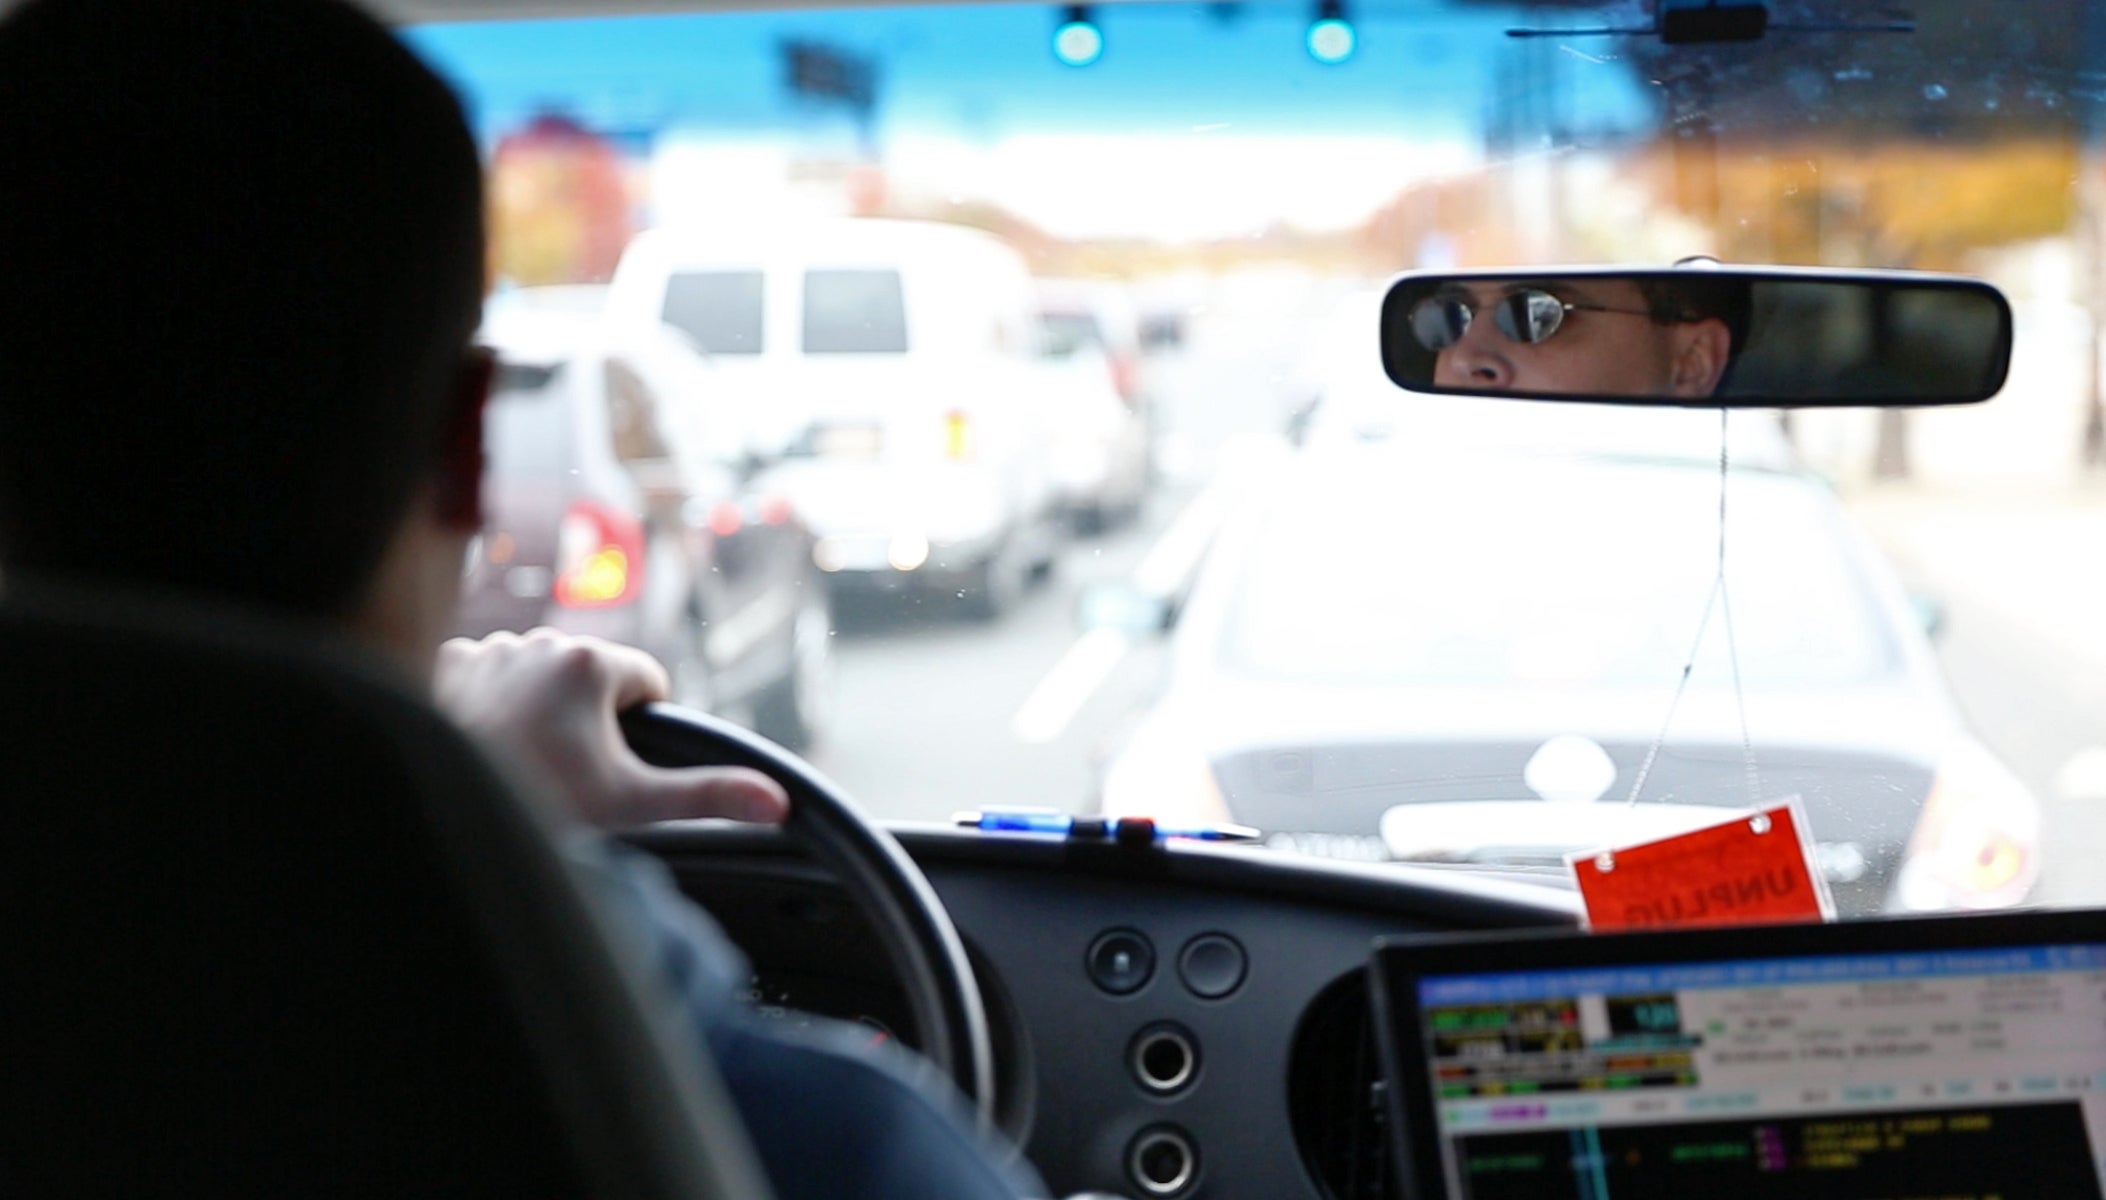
[[1608, 336], [243, 247]]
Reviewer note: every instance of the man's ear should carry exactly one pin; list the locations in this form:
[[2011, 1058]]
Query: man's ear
[[1701, 351], [459, 497]]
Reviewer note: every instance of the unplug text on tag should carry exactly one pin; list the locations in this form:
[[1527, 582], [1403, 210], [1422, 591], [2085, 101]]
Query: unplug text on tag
[[1750, 867]]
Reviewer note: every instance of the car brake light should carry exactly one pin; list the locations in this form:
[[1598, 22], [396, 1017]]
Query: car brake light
[[599, 557], [1977, 840], [725, 519], [957, 436], [1124, 378]]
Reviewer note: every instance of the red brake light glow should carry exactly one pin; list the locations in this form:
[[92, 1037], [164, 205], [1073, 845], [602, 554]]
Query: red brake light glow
[[599, 557], [725, 519], [1125, 378]]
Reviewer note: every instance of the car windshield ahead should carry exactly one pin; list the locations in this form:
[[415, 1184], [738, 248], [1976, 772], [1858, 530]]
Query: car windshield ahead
[[1909, 637]]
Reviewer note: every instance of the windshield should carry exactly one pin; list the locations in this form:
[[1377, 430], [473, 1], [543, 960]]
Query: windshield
[[886, 231], [1065, 333]]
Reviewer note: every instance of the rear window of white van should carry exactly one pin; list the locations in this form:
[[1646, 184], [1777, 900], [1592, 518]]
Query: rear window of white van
[[720, 310], [528, 427], [854, 312]]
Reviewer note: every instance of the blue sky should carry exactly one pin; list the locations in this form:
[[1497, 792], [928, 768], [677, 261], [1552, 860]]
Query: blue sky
[[988, 70], [983, 78]]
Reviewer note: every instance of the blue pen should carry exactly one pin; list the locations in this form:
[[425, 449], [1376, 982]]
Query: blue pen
[[1033, 820]]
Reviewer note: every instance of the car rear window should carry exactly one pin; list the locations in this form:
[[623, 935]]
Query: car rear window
[[720, 310], [854, 312], [1464, 577], [526, 429], [1068, 333]]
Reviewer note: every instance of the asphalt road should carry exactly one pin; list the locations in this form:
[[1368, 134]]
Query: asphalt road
[[928, 704]]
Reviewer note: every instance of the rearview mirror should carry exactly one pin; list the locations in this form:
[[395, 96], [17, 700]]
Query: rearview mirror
[[1703, 336]]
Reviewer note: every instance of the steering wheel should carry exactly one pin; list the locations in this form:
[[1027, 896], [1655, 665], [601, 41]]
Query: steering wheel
[[885, 884]]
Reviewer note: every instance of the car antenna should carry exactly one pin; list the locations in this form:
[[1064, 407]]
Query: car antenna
[[1688, 22]]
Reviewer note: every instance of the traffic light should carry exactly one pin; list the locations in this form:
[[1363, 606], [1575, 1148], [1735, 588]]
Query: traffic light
[[1077, 41], [1331, 38]]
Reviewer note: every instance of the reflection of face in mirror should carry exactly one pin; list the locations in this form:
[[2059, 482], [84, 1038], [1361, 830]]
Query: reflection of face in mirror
[[1744, 338], [1651, 337]]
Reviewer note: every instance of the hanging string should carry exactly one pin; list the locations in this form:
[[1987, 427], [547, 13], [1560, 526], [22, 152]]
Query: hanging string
[[1719, 599]]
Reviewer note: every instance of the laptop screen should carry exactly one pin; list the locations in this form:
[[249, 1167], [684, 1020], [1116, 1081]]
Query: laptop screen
[[1947, 1058]]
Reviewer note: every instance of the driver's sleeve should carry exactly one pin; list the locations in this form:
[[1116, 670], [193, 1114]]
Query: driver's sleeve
[[831, 1111]]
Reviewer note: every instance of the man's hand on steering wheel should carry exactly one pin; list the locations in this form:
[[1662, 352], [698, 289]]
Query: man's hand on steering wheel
[[548, 701], [570, 710]]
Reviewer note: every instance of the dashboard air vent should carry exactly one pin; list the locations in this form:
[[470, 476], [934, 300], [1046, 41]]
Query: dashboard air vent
[[1333, 1098]]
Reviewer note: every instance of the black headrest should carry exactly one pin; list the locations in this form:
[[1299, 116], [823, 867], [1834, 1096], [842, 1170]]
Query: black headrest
[[273, 927]]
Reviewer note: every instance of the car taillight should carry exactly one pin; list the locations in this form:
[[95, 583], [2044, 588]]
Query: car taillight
[[726, 519], [1977, 841], [599, 557], [957, 436], [1125, 378]]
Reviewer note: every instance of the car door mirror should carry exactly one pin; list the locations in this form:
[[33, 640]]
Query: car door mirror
[[1699, 336], [1930, 614], [1126, 609]]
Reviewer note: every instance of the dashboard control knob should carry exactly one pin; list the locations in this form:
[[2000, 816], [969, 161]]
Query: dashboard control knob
[[1120, 961], [1213, 965]]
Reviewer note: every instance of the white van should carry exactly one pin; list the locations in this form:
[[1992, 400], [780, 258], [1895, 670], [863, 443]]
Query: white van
[[897, 362]]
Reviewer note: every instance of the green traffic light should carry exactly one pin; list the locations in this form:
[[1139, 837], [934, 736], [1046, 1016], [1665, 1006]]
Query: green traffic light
[[1332, 40]]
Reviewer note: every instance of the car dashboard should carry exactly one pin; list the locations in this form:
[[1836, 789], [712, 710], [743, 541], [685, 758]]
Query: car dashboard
[[1167, 1022]]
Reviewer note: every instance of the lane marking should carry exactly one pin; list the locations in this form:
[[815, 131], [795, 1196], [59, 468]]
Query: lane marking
[[1164, 571], [1170, 563], [1068, 686]]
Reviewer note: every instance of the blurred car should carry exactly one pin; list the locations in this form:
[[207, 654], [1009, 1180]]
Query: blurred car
[[1405, 654], [606, 516], [1104, 442], [902, 354]]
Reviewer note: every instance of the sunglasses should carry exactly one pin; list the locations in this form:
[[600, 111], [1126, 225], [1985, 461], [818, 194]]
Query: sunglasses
[[1525, 315]]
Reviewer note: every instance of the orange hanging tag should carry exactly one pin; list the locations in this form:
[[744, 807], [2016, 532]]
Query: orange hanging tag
[[1749, 868]]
